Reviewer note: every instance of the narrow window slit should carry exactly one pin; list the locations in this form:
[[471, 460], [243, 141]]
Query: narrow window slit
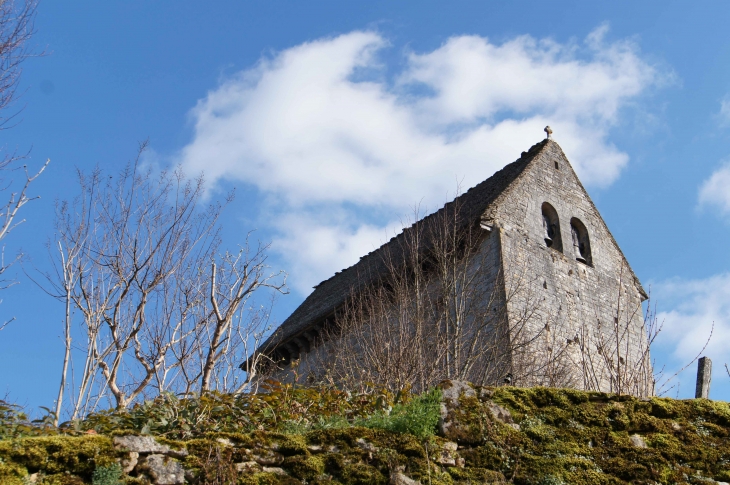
[[551, 227], [581, 242]]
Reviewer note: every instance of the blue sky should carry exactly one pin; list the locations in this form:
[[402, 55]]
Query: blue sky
[[333, 119]]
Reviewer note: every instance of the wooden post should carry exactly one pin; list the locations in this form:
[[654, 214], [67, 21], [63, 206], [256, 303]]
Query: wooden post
[[704, 376]]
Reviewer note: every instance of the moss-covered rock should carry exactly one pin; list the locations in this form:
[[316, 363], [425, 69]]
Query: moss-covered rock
[[304, 467]]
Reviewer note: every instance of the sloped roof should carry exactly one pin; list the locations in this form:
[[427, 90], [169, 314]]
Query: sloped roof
[[330, 294]]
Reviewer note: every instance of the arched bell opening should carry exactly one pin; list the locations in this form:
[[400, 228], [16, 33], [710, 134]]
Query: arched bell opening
[[551, 227], [581, 242]]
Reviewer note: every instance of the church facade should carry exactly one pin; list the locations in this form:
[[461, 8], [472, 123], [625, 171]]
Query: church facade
[[556, 302]]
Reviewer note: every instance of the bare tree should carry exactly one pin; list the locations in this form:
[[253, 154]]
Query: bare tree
[[16, 29], [62, 285], [230, 320], [132, 260], [134, 234], [9, 220]]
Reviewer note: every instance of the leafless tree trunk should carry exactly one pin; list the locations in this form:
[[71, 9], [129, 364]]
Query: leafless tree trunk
[[60, 284], [68, 279], [243, 274]]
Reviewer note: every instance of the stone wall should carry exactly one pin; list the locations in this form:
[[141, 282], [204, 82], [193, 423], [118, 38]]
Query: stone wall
[[578, 302]]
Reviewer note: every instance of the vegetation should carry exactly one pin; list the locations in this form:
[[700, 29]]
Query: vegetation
[[317, 435]]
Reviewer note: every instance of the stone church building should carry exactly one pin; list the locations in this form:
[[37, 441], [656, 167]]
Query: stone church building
[[562, 304]]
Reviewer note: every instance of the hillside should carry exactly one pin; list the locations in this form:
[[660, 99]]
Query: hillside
[[312, 435]]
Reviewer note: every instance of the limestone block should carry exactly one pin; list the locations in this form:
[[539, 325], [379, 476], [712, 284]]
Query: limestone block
[[458, 405], [275, 470], [501, 414], [453, 390], [248, 466], [268, 457], [446, 458], [146, 445], [163, 470], [637, 441], [366, 445], [129, 462], [399, 478]]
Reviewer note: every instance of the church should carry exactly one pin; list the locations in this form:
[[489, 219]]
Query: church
[[517, 281]]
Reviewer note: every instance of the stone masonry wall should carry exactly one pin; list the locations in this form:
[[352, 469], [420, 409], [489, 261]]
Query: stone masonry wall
[[575, 308]]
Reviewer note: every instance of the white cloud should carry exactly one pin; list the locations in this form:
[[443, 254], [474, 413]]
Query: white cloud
[[724, 114], [696, 305], [715, 191], [315, 243], [325, 127]]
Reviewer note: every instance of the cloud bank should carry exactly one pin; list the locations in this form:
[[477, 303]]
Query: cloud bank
[[341, 144]]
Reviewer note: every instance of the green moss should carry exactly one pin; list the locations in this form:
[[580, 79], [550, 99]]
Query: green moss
[[722, 476], [362, 474], [57, 455], [134, 481], [325, 480], [437, 477], [304, 467], [489, 457], [663, 408], [270, 479], [12, 473], [61, 479], [289, 445], [468, 420], [476, 475]]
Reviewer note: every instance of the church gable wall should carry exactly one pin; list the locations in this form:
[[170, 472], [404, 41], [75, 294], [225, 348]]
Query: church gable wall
[[573, 306]]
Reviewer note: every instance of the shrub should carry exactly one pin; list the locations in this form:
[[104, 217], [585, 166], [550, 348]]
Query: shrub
[[14, 423], [107, 475]]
